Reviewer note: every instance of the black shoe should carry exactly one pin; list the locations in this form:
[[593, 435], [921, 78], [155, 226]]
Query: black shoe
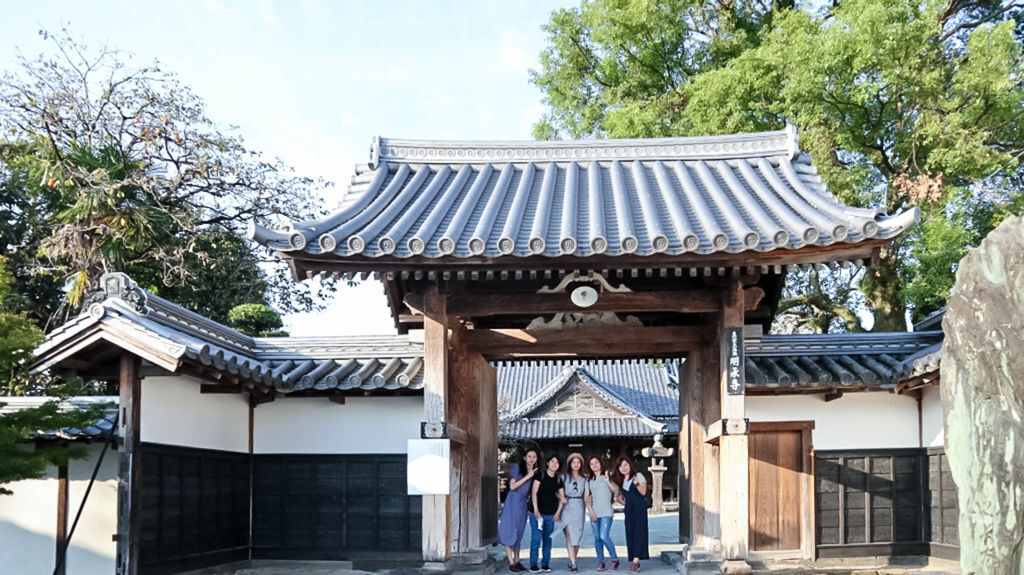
[[521, 567], [534, 569], [546, 569]]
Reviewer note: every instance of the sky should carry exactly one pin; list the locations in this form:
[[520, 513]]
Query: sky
[[312, 82]]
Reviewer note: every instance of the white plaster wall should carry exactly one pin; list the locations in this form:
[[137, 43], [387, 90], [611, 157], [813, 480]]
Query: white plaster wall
[[857, 420], [933, 432], [28, 526], [316, 425], [92, 550], [175, 413]]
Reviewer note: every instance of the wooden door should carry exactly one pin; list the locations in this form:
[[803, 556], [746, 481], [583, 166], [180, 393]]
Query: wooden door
[[779, 486]]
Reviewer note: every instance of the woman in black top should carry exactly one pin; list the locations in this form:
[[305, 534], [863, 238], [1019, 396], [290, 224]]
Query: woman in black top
[[548, 499], [633, 493]]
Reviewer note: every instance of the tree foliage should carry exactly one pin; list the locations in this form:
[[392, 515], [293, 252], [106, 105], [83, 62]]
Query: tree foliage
[[18, 337], [122, 170], [256, 320], [20, 459], [901, 103]]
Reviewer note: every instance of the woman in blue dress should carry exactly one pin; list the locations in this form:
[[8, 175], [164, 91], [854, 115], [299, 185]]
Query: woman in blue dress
[[513, 514], [633, 493]]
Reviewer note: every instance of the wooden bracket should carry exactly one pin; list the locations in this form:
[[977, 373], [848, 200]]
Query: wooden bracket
[[255, 400], [734, 426], [442, 430], [833, 395], [219, 388], [337, 397]]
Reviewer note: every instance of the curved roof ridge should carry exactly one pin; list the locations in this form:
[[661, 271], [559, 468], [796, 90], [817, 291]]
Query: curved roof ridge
[[719, 147]]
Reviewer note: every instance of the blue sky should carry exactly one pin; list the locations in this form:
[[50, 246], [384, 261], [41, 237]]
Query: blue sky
[[312, 82]]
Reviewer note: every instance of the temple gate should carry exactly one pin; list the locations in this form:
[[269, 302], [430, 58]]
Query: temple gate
[[597, 249]]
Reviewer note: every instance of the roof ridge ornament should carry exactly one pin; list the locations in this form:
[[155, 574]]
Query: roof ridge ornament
[[117, 285], [793, 141], [718, 147]]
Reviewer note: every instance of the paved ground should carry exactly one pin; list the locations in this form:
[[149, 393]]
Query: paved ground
[[664, 545], [665, 550]]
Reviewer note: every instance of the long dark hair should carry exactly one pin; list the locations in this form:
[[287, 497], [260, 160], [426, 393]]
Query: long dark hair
[[522, 461], [617, 475], [589, 473]]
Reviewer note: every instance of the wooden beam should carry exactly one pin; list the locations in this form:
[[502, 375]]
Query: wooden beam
[[436, 513], [219, 388], [584, 342], [683, 301], [129, 488], [337, 397]]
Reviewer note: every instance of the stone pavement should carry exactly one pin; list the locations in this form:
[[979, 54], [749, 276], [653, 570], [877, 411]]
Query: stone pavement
[[668, 557]]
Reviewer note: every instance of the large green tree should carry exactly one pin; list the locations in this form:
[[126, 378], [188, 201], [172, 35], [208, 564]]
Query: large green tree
[[901, 103], [120, 169]]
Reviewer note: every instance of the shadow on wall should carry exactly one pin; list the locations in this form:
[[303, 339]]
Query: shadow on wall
[[16, 549]]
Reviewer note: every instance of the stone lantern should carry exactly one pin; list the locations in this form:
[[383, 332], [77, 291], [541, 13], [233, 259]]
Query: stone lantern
[[657, 454]]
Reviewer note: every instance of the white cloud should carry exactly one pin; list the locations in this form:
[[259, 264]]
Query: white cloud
[[395, 74], [512, 54]]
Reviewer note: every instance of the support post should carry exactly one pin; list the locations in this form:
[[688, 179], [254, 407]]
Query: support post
[[436, 508], [129, 473], [62, 515], [733, 445]]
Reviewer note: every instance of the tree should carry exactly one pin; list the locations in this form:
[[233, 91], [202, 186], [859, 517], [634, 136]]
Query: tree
[[901, 103], [18, 337], [21, 460], [123, 163], [256, 320]]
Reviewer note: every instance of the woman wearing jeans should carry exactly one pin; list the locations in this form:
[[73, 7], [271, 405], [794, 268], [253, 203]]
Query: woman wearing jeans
[[598, 498], [548, 500]]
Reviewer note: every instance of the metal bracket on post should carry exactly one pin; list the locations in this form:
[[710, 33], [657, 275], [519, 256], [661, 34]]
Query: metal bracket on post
[[736, 426], [433, 430]]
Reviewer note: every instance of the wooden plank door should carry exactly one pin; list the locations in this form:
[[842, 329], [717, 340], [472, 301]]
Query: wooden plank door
[[779, 486]]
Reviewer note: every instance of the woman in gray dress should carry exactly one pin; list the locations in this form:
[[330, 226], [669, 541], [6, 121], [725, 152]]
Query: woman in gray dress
[[574, 514]]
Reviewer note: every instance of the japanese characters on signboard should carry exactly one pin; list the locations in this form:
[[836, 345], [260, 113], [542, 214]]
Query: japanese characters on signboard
[[734, 361]]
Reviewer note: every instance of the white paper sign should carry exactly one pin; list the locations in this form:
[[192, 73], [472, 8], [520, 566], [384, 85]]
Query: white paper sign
[[429, 468]]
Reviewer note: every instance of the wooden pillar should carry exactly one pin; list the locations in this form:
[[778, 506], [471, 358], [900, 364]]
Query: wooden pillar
[[129, 473], [487, 432], [436, 508], [62, 516], [733, 464]]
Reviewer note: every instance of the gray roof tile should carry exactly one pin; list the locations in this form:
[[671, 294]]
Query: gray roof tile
[[169, 335], [582, 198]]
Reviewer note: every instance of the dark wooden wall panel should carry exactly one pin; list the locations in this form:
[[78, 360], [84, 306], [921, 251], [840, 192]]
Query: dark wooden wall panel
[[870, 498], [943, 508], [322, 506], [194, 507]]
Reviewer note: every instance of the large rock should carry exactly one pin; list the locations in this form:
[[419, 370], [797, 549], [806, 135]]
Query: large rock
[[983, 401]]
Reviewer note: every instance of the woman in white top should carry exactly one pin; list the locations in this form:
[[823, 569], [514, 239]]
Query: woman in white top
[[598, 498]]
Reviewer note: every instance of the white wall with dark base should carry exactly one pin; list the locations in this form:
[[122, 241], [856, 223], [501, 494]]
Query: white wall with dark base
[[932, 426], [28, 521], [315, 425], [174, 412], [857, 420]]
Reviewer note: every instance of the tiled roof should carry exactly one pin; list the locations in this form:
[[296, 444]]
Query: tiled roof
[[837, 360], [170, 336], [729, 194], [627, 386], [102, 428], [583, 427]]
